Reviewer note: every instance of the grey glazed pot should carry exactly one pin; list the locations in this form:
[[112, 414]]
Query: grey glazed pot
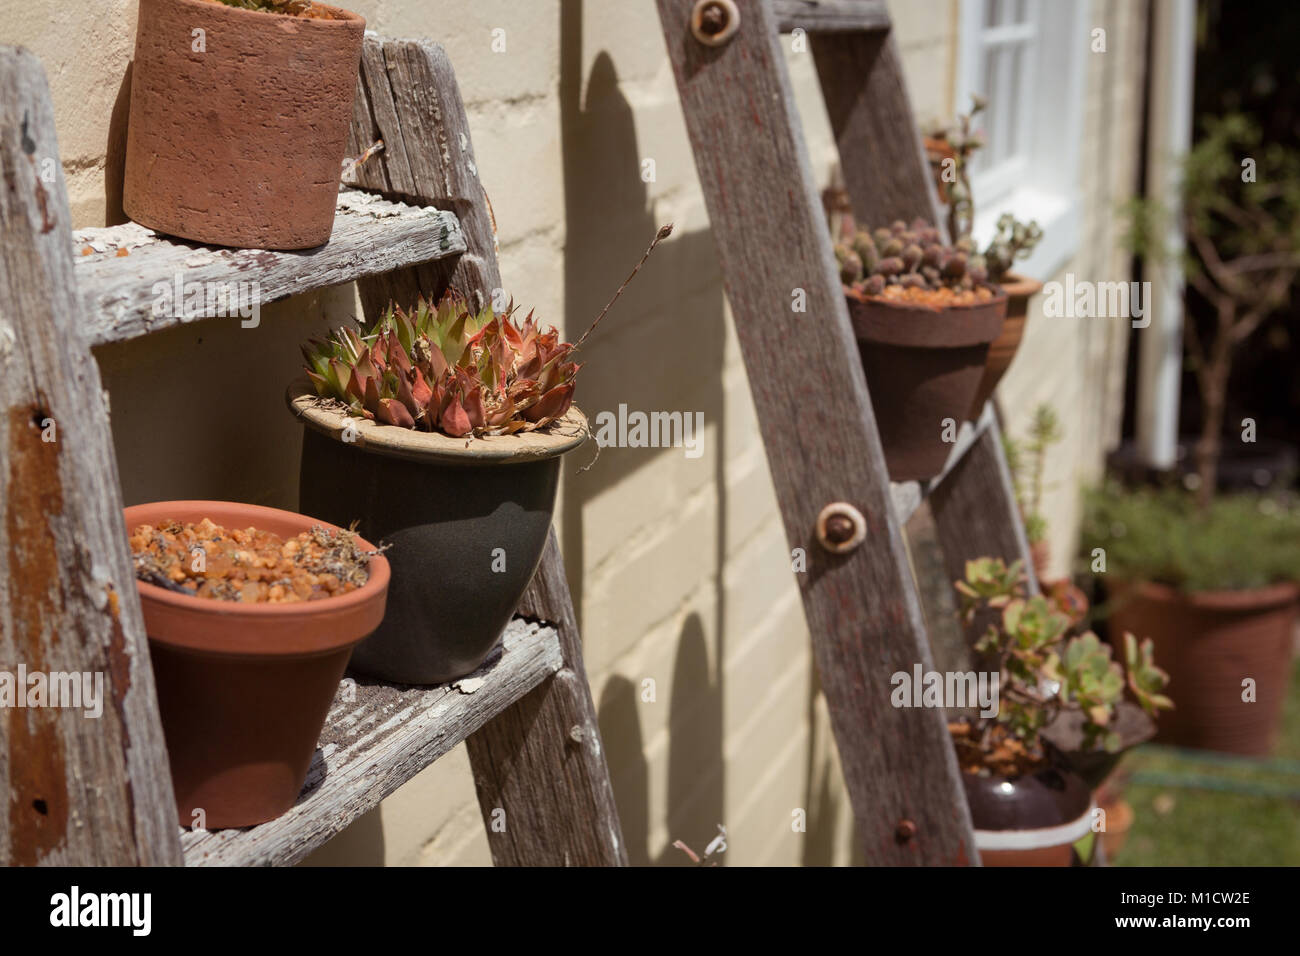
[[443, 506]]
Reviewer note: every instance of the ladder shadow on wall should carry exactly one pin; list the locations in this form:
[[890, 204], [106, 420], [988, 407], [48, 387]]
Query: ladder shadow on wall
[[661, 349]]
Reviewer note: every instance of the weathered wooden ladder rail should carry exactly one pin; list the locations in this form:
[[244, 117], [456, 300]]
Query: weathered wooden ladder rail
[[862, 606], [98, 791]]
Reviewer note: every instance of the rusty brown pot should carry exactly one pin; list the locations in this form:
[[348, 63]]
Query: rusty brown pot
[[1002, 352], [244, 689], [922, 365], [241, 144], [1209, 642]]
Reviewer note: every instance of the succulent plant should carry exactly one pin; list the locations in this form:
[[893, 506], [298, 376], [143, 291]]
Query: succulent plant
[[1044, 670], [908, 256], [447, 369], [1014, 240]]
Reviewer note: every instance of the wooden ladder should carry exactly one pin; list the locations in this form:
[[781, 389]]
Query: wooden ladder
[[774, 246], [87, 791]]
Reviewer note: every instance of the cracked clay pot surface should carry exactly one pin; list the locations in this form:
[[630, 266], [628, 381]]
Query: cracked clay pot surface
[[237, 133]]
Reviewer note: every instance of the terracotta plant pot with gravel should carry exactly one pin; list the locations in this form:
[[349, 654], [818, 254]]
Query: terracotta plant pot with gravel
[[924, 316], [244, 688], [239, 120]]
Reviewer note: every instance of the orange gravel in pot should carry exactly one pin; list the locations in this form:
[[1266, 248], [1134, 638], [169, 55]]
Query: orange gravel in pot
[[935, 298], [248, 565]]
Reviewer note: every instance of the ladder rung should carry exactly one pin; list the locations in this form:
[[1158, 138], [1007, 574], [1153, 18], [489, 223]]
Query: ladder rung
[[831, 16], [118, 267], [373, 744]]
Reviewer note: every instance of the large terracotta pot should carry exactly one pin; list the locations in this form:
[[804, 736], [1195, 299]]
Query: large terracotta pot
[[244, 689], [1031, 820], [922, 365], [1019, 290], [465, 523], [1209, 642], [237, 134]]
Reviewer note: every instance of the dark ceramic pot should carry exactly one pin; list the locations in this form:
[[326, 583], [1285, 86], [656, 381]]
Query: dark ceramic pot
[[239, 142], [923, 366], [1030, 820], [244, 689], [1209, 642], [465, 523]]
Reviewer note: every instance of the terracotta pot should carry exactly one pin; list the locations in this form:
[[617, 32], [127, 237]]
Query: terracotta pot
[[244, 689], [465, 523], [242, 144], [1019, 290], [1030, 820], [1209, 642], [922, 366]]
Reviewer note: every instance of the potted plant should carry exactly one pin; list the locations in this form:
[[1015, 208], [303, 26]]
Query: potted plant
[[1029, 800], [1213, 577], [951, 150], [1027, 463], [924, 318], [1215, 587], [239, 120], [439, 432], [251, 614]]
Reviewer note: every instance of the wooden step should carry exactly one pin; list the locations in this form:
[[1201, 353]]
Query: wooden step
[[124, 272], [376, 741], [831, 16]]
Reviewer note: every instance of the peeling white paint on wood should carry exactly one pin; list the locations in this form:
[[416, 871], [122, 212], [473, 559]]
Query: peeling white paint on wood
[[119, 267]]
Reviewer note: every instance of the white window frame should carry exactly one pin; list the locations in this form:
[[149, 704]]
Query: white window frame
[[1041, 181]]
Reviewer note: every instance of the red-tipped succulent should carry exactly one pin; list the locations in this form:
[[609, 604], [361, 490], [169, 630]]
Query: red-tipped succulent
[[448, 370]]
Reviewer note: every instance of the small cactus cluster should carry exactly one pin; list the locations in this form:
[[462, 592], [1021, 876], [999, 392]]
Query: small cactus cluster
[[890, 261], [1014, 240], [447, 369]]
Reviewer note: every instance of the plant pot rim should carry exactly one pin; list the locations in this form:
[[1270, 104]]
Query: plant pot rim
[[1036, 838], [1222, 600], [564, 435], [1014, 284], [342, 18], [255, 630], [912, 325], [956, 307]]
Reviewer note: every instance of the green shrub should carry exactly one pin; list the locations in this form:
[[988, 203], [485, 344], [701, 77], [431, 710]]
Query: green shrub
[[1239, 541]]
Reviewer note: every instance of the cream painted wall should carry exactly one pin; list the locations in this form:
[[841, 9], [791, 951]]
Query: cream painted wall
[[679, 566]]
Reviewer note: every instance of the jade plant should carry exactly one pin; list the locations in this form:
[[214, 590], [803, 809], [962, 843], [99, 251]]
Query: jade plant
[[453, 369], [1044, 670], [952, 151], [901, 257]]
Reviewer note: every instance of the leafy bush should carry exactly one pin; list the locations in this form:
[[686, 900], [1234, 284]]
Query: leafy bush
[[1237, 542]]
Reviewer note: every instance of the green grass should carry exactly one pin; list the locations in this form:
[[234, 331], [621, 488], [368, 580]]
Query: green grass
[[1177, 824]]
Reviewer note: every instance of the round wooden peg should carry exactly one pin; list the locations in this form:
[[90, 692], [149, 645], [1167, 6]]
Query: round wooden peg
[[714, 22], [841, 527]]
